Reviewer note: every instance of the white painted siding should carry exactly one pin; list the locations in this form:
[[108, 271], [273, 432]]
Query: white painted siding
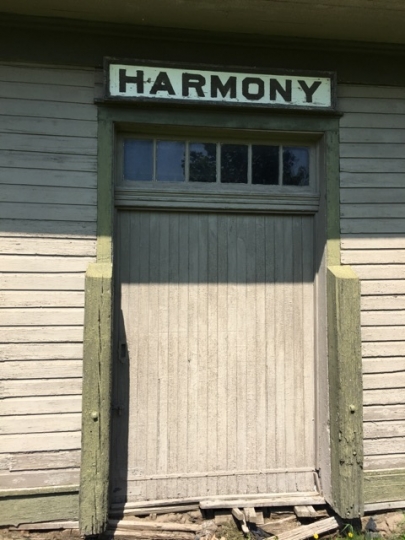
[[372, 195], [48, 150]]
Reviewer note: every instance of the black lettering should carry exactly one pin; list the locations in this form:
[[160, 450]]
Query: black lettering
[[309, 90], [276, 87], [125, 79], [247, 93], [162, 84], [189, 80], [228, 87]]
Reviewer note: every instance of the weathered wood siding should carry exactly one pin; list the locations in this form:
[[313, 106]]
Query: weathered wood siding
[[373, 241], [48, 147]]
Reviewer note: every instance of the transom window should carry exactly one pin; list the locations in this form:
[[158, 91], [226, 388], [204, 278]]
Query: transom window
[[186, 161]]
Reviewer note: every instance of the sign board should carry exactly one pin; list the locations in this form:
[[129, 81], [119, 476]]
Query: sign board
[[291, 90]]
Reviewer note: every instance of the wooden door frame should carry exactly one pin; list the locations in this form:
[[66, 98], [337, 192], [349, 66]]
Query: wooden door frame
[[341, 457]]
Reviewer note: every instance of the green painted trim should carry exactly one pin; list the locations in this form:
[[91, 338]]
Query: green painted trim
[[38, 508], [345, 391], [97, 356], [332, 197], [98, 307], [85, 43], [105, 189], [384, 486], [44, 490]]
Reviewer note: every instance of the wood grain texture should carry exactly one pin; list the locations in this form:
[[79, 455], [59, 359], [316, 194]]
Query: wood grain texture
[[218, 352]]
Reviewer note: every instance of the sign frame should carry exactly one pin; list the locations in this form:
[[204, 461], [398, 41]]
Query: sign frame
[[212, 70]]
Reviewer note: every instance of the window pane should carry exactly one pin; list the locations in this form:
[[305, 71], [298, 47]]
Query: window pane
[[138, 160], [296, 166], [170, 161], [265, 164], [203, 162], [234, 163]]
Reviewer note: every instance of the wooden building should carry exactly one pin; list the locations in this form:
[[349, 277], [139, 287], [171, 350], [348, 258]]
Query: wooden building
[[202, 286]]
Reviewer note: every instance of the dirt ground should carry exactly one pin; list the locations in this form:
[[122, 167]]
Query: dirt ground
[[390, 525]]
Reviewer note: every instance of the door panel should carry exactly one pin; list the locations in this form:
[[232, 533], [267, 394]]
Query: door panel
[[218, 317]]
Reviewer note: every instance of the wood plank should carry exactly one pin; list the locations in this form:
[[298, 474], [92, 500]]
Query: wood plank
[[367, 225], [372, 121], [43, 160], [383, 348], [383, 365], [47, 177], [384, 380], [391, 445], [378, 256], [43, 317], [379, 272], [25, 461], [383, 412], [41, 334], [372, 105], [308, 531], [371, 180], [48, 194], [60, 144], [381, 318], [41, 92], [40, 405], [371, 165], [48, 109], [381, 430], [50, 229], [383, 333], [154, 535], [43, 351], [372, 211], [52, 212], [145, 525], [371, 150], [59, 387], [384, 397], [49, 246], [15, 263], [305, 512], [383, 303], [47, 75], [259, 501], [47, 525], [376, 241], [362, 135], [44, 423], [362, 91], [393, 461], [35, 479], [44, 282], [380, 486], [45, 126], [385, 287], [40, 442], [33, 299], [154, 510], [41, 369]]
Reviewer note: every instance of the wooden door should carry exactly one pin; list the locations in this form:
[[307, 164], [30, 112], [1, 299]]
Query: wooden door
[[215, 374]]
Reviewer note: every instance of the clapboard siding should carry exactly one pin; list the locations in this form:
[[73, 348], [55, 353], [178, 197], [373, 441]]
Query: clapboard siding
[[48, 176], [372, 195]]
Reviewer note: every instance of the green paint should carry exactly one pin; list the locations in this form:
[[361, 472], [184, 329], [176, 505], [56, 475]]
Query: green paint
[[96, 399], [332, 196], [384, 486], [345, 391], [38, 508], [98, 335]]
